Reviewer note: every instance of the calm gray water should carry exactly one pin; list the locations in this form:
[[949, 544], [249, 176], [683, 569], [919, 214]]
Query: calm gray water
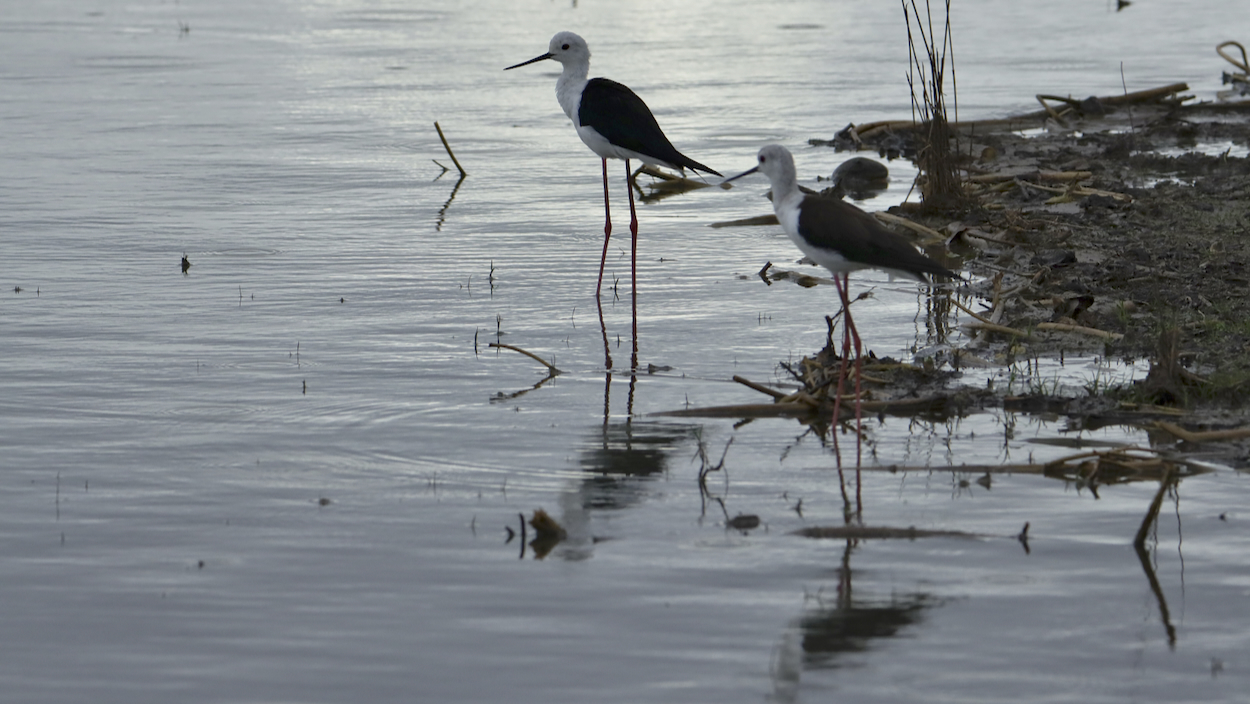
[[285, 476]]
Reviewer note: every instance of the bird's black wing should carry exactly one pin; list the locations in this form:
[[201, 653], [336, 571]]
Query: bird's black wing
[[617, 113], [833, 224]]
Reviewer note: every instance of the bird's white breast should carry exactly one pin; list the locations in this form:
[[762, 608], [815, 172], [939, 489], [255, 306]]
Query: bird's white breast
[[787, 210], [569, 93]]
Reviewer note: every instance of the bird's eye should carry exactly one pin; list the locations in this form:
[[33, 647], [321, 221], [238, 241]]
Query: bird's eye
[[762, 160], [565, 47]]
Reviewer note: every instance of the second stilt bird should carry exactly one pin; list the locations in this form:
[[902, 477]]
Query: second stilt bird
[[614, 122], [841, 238]]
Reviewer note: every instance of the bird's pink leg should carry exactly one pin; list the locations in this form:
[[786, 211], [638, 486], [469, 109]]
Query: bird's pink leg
[[846, 349], [607, 228], [859, 365], [633, 251]]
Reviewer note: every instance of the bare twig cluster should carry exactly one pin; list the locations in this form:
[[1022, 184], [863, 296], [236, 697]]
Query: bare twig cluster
[[926, 77]]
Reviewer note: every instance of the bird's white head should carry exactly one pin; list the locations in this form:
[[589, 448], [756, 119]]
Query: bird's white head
[[775, 162], [567, 48]]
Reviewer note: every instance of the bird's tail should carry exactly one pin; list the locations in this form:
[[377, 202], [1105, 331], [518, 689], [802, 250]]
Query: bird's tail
[[688, 163]]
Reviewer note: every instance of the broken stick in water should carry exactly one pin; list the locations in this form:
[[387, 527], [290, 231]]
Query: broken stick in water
[[449, 152], [550, 367]]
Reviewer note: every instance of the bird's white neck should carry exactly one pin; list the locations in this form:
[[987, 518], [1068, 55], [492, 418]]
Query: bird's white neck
[[569, 88], [786, 194]]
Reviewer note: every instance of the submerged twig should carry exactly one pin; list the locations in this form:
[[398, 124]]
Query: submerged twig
[[1122, 453], [759, 387], [449, 152], [973, 313], [800, 409], [1244, 64], [550, 367], [1039, 175], [854, 532], [747, 222], [1203, 436], [994, 327], [743, 410], [1068, 327]]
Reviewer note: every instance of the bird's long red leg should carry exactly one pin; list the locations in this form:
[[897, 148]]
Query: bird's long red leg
[[859, 368], [846, 345], [607, 227], [633, 250], [850, 333]]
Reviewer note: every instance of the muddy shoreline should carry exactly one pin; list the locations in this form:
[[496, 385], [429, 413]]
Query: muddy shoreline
[[1142, 252]]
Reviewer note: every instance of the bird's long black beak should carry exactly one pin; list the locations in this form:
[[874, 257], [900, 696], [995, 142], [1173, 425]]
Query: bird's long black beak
[[748, 172], [536, 59]]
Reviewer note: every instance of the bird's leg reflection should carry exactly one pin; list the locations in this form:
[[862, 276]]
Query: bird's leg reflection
[[849, 335], [633, 363], [938, 314], [607, 363], [607, 376], [836, 420], [633, 384], [847, 512], [859, 368], [603, 329], [844, 575]]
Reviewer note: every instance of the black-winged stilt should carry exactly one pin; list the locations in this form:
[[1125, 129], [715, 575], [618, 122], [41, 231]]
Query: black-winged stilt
[[842, 238], [614, 122]]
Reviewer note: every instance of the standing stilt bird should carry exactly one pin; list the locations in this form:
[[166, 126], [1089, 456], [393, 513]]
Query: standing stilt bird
[[841, 238], [614, 122]]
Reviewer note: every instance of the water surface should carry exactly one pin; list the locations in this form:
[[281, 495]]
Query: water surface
[[286, 475]]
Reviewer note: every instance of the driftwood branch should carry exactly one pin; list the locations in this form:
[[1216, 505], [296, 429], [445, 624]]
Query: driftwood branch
[[1041, 175], [872, 129], [930, 235], [798, 409]]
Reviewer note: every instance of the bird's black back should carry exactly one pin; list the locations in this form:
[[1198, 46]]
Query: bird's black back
[[834, 224], [618, 114]]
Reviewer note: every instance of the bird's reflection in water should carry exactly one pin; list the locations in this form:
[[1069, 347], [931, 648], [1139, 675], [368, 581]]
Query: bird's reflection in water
[[835, 625], [618, 457], [619, 461], [634, 448], [831, 630]]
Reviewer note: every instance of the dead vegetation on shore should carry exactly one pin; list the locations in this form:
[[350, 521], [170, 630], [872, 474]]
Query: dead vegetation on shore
[[1102, 226]]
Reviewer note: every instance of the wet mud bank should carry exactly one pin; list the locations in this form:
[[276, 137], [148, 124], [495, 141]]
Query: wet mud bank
[[1124, 233]]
